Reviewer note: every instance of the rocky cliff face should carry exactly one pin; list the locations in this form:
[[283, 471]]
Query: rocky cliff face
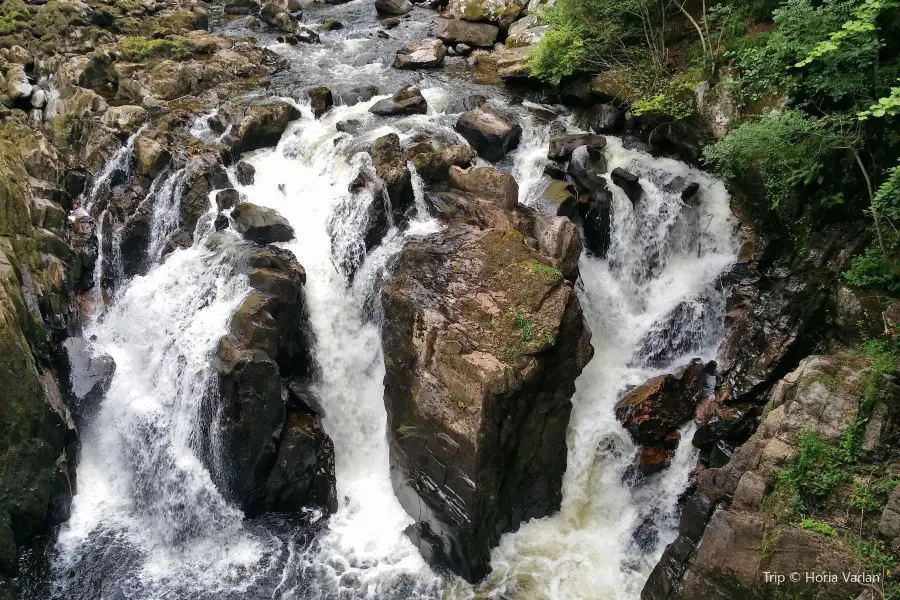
[[807, 492], [37, 433], [483, 339]]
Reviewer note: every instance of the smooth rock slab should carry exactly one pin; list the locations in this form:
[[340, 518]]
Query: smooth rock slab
[[457, 31], [408, 100], [424, 54], [562, 147], [261, 225], [489, 132]]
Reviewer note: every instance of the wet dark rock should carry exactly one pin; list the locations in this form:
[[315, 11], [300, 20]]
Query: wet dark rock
[[562, 146], [433, 163], [221, 222], [630, 142], [393, 7], [555, 170], [476, 413], [358, 94], [134, 237], [461, 104], [264, 124], [576, 90], [457, 31], [390, 165], [351, 126], [331, 25], [652, 411], [424, 54], [463, 49], [245, 173], [595, 216], [228, 198], [407, 100], [587, 167], [203, 175], [261, 225], [320, 100], [687, 191], [628, 182], [300, 476], [489, 132], [278, 458], [606, 118], [389, 23], [776, 310], [89, 374]]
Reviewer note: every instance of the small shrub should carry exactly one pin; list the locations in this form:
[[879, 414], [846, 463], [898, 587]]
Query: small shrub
[[525, 326], [872, 496], [876, 559]]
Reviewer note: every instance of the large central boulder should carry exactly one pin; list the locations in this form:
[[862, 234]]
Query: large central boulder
[[483, 341], [278, 456]]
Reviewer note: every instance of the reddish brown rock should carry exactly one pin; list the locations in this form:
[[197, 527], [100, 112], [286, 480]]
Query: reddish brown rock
[[655, 409]]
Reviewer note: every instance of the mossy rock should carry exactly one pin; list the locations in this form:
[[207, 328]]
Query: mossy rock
[[142, 49], [15, 217], [14, 16], [55, 18]]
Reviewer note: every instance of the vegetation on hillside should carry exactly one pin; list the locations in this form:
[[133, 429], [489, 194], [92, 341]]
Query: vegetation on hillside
[[816, 83]]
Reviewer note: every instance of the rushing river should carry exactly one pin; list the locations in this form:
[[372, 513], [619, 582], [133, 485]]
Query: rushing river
[[148, 522]]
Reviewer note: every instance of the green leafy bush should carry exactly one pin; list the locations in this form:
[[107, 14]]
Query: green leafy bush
[[872, 496], [788, 151], [871, 270]]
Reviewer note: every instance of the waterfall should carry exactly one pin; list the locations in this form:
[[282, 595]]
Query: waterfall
[[655, 265], [166, 197], [120, 160], [148, 522]]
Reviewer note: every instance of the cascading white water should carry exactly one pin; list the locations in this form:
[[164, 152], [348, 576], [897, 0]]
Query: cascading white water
[[363, 550], [166, 199], [120, 160], [656, 263], [148, 522]]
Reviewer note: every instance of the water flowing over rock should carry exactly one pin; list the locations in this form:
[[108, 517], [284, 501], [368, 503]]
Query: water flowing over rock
[[89, 375], [242, 444], [457, 468]]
